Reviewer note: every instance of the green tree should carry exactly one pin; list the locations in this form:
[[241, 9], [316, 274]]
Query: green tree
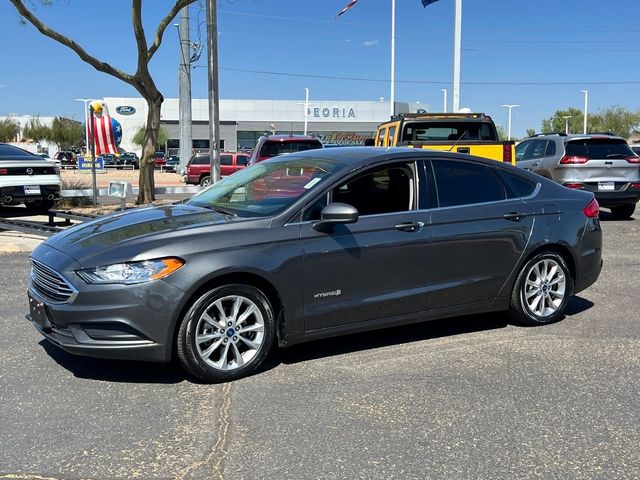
[[616, 119], [139, 137], [141, 79], [531, 132], [558, 122], [36, 131], [9, 130], [66, 133]]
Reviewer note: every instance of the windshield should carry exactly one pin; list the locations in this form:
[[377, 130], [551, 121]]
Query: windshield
[[266, 188], [448, 130]]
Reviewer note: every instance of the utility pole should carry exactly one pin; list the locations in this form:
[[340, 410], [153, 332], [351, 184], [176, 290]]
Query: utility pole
[[510, 107], [214, 94], [586, 105], [457, 43], [444, 103], [306, 109], [393, 58], [184, 84]]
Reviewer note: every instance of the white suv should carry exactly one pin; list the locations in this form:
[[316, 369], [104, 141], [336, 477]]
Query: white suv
[[27, 178]]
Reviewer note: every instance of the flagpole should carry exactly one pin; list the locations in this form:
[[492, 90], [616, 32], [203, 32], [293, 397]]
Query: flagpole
[[93, 156], [393, 57], [457, 41]]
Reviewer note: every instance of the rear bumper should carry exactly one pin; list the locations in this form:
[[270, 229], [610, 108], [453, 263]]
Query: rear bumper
[[17, 193]]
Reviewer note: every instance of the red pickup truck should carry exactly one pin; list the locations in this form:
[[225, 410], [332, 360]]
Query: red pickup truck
[[199, 168]]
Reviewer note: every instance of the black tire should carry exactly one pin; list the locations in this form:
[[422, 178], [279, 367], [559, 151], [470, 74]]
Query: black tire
[[553, 289], [221, 351], [40, 206], [205, 181], [623, 211]]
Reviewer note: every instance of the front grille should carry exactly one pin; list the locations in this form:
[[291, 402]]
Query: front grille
[[50, 284]]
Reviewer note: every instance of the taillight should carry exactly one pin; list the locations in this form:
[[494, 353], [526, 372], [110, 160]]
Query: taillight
[[506, 153], [573, 160], [4, 171], [575, 186], [635, 185], [633, 159], [592, 209]]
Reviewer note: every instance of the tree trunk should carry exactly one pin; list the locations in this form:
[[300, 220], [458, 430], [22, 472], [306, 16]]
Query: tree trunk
[[146, 181]]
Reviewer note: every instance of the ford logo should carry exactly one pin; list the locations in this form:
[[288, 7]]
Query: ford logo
[[126, 110]]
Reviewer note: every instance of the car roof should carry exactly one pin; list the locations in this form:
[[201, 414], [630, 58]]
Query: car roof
[[363, 156], [290, 138], [577, 136]]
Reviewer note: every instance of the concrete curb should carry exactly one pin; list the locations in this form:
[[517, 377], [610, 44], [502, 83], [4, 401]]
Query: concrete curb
[[16, 242]]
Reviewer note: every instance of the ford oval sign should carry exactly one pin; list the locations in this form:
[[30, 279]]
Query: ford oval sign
[[126, 110]]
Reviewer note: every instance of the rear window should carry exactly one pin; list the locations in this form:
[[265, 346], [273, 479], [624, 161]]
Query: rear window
[[598, 148], [9, 152], [199, 160], [273, 149], [448, 130]]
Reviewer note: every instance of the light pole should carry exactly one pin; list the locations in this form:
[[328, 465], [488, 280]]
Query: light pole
[[444, 104], [566, 123], [306, 109], [586, 105], [457, 46], [86, 102], [510, 107]]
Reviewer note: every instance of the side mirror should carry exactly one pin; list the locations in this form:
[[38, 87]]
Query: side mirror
[[336, 213]]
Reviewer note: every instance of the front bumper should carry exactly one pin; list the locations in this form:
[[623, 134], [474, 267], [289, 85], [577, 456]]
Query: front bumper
[[127, 322]]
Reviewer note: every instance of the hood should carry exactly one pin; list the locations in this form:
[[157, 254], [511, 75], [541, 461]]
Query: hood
[[126, 234]]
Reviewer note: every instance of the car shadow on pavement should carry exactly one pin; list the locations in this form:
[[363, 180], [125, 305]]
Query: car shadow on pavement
[[127, 371], [416, 332], [608, 217]]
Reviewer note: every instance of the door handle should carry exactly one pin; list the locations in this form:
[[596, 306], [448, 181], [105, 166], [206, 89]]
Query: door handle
[[535, 164], [515, 216], [409, 226]]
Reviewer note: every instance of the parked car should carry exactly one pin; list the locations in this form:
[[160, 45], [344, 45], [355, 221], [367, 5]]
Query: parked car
[[28, 178], [172, 163], [110, 160], [130, 158], [66, 158], [350, 239], [46, 156], [199, 166], [599, 163], [270, 146], [159, 159]]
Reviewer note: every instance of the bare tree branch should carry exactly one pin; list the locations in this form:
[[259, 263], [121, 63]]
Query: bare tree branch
[[180, 4], [138, 31], [81, 52]]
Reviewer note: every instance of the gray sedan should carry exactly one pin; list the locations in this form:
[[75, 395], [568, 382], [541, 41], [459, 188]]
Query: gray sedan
[[312, 245]]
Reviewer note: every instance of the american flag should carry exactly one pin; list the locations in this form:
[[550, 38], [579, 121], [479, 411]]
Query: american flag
[[349, 5], [103, 135]]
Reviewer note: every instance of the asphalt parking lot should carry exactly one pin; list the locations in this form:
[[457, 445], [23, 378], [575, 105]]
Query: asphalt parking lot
[[469, 397]]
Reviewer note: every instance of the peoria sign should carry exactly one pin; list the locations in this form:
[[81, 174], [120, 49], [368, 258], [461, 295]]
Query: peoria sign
[[331, 112]]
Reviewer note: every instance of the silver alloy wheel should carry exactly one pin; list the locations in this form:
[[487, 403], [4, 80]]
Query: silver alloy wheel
[[229, 332], [206, 181], [544, 288]]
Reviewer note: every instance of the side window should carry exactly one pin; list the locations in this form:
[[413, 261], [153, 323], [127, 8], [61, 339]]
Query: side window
[[242, 160], [201, 160], [551, 149], [392, 136], [521, 148], [313, 212], [385, 190], [537, 149], [517, 185], [226, 159], [381, 137], [463, 183]]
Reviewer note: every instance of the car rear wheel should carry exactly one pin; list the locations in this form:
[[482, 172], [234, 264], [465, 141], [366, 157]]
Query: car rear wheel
[[623, 212], [205, 181], [226, 334], [542, 290]]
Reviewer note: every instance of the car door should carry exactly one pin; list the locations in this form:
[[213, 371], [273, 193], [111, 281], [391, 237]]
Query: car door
[[375, 267], [478, 232]]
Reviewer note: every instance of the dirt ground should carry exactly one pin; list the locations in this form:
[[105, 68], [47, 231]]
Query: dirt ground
[[162, 179]]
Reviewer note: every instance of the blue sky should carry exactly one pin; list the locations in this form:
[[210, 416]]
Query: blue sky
[[539, 54]]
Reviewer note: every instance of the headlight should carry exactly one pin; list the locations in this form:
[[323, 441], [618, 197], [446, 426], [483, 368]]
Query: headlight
[[132, 272]]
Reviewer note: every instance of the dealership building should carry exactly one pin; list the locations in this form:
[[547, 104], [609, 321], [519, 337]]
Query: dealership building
[[242, 122]]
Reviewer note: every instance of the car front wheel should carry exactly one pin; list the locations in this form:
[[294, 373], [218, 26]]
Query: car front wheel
[[226, 334], [542, 290]]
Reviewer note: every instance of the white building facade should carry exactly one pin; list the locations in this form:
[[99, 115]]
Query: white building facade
[[242, 122]]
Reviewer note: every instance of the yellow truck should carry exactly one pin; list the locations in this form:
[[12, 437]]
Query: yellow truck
[[470, 133]]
